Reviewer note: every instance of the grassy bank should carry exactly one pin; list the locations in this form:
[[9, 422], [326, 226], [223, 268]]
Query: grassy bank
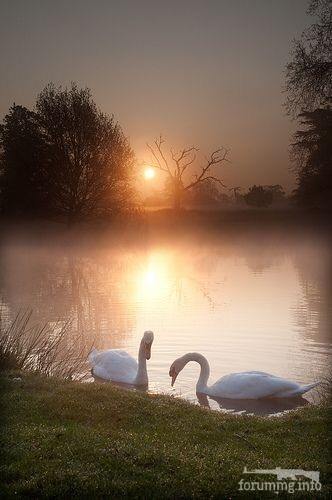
[[65, 439]]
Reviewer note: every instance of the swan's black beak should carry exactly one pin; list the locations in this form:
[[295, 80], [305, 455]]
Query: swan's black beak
[[173, 374], [148, 350], [174, 379]]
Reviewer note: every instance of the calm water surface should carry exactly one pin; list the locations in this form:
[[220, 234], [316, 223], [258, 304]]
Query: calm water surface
[[256, 301]]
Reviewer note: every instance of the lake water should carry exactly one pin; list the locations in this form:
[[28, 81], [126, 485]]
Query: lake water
[[258, 300]]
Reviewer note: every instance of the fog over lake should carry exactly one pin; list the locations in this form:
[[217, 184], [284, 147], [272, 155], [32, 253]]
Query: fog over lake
[[246, 299]]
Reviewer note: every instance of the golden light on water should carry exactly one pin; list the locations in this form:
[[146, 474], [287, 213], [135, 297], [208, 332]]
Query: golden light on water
[[149, 173], [153, 278]]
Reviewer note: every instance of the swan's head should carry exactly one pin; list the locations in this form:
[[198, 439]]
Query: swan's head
[[147, 343], [176, 367]]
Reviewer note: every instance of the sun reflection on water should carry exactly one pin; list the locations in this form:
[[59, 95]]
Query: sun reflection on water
[[153, 277]]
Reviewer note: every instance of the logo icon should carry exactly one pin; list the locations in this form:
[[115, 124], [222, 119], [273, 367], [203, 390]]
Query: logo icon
[[289, 480]]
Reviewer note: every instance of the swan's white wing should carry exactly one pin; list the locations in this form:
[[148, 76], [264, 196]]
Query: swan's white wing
[[253, 385], [116, 365]]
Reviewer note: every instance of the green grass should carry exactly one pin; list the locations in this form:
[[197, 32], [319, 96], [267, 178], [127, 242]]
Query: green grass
[[69, 440]]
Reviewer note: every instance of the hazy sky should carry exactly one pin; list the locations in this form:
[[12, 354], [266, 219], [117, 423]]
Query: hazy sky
[[206, 72]]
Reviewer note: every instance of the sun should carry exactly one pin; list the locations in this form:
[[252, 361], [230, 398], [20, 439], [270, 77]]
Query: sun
[[149, 173]]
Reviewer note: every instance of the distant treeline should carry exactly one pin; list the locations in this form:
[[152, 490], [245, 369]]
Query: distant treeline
[[208, 193]]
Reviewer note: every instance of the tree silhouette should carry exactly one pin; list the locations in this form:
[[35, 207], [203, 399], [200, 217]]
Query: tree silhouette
[[66, 158], [312, 155], [277, 191], [259, 196], [25, 185], [309, 89], [309, 73], [90, 159], [179, 165], [207, 193]]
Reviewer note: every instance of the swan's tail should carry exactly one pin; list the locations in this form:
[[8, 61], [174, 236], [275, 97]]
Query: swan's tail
[[305, 388]]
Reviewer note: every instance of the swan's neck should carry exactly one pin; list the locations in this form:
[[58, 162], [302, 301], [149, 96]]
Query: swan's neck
[[203, 378], [142, 374]]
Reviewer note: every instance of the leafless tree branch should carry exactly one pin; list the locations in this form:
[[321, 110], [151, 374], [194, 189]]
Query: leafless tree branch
[[216, 158], [158, 165], [184, 159]]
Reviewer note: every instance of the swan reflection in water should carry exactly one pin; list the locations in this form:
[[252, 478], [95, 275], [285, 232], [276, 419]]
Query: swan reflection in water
[[266, 406], [259, 407]]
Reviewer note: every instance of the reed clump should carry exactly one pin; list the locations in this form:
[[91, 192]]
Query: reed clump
[[52, 349]]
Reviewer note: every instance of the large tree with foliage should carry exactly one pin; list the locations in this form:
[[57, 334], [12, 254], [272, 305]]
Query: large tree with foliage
[[90, 159], [25, 184], [309, 97], [65, 158], [182, 173], [309, 72], [312, 154]]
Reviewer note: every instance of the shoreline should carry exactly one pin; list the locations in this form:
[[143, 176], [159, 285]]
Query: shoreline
[[146, 226], [65, 438]]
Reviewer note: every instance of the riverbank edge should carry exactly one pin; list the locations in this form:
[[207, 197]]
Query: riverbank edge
[[66, 439]]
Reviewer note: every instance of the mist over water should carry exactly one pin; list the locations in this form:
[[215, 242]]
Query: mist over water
[[247, 300]]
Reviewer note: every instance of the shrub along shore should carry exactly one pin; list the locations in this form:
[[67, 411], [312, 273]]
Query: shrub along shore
[[71, 440]]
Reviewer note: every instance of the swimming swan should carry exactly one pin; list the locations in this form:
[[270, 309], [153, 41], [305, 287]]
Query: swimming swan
[[245, 385], [119, 366]]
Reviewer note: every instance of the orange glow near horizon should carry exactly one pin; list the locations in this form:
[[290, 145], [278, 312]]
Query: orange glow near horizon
[[149, 173]]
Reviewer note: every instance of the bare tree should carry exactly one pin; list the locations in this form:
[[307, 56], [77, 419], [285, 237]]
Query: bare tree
[[179, 165]]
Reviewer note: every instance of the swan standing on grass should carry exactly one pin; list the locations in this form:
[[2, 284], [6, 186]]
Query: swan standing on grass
[[245, 385], [118, 366]]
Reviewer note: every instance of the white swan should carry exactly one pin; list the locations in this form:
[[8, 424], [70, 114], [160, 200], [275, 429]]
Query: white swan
[[245, 385], [119, 366]]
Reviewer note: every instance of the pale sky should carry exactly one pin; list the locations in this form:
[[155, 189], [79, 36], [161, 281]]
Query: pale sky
[[206, 72]]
